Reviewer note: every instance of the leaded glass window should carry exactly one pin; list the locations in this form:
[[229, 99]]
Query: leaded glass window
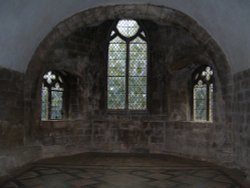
[[127, 67], [203, 94], [52, 96]]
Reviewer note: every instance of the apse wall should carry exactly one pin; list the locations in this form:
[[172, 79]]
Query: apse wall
[[77, 48], [167, 127]]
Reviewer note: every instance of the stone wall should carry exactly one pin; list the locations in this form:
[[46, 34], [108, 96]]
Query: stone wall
[[133, 134], [13, 153], [166, 127], [78, 49], [240, 118], [11, 113]]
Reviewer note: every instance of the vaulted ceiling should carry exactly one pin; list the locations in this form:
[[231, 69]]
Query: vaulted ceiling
[[24, 24]]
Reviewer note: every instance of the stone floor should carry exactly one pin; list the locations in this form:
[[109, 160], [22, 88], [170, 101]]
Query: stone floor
[[124, 171]]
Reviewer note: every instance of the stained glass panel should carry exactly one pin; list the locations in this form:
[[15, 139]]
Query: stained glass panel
[[127, 28], [116, 74], [44, 110], [137, 74], [49, 77], [203, 94], [116, 92], [52, 96], [200, 102], [211, 90], [137, 101], [56, 104], [127, 68]]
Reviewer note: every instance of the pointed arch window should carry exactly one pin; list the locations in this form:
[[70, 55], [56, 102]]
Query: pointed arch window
[[127, 67], [52, 96], [203, 84]]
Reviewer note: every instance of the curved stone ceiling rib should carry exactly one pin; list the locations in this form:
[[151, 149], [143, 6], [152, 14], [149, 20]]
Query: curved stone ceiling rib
[[24, 24]]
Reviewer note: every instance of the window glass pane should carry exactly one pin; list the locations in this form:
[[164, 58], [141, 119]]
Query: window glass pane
[[137, 81], [116, 74], [138, 49], [200, 102], [211, 102], [49, 77], [138, 74], [117, 49], [207, 73], [116, 101], [137, 71], [116, 85], [52, 96], [200, 115], [117, 55], [57, 87], [137, 101], [127, 28], [127, 64], [142, 89], [137, 93], [44, 110], [138, 45], [117, 68], [203, 94], [116, 93], [56, 104]]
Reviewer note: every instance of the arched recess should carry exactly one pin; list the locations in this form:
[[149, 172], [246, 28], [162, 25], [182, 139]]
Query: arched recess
[[158, 14]]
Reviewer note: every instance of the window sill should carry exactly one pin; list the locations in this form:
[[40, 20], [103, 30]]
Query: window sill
[[53, 120], [58, 124], [194, 123], [127, 112]]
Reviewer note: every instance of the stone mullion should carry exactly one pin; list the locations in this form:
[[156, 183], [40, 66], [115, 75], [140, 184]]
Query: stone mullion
[[49, 102], [208, 100], [127, 75]]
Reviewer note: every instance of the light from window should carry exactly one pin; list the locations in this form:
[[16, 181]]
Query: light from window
[[52, 96], [127, 67], [203, 94], [127, 28]]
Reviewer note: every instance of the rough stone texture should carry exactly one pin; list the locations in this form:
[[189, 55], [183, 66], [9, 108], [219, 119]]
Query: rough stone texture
[[240, 119], [78, 49], [125, 170], [166, 127], [13, 153], [11, 112]]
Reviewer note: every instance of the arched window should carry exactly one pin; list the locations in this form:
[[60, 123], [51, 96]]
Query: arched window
[[52, 96], [127, 67], [203, 94]]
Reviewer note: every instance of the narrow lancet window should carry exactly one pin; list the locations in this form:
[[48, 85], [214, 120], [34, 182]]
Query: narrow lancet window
[[203, 94], [52, 96]]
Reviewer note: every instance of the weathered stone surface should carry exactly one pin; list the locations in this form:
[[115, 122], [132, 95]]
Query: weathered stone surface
[[78, 49], [167, 126], [240, 120]]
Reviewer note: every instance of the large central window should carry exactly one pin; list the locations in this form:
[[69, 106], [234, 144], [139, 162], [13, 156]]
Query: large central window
[[127, 67]]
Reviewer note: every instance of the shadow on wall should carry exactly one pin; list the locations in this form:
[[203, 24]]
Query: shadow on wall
[[177, 46]]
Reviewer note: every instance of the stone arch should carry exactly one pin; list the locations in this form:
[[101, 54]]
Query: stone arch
[[158, 14]]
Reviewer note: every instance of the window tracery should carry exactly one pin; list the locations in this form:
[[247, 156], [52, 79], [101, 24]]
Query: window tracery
[[203, 84], [127, 67], [52, 96]]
